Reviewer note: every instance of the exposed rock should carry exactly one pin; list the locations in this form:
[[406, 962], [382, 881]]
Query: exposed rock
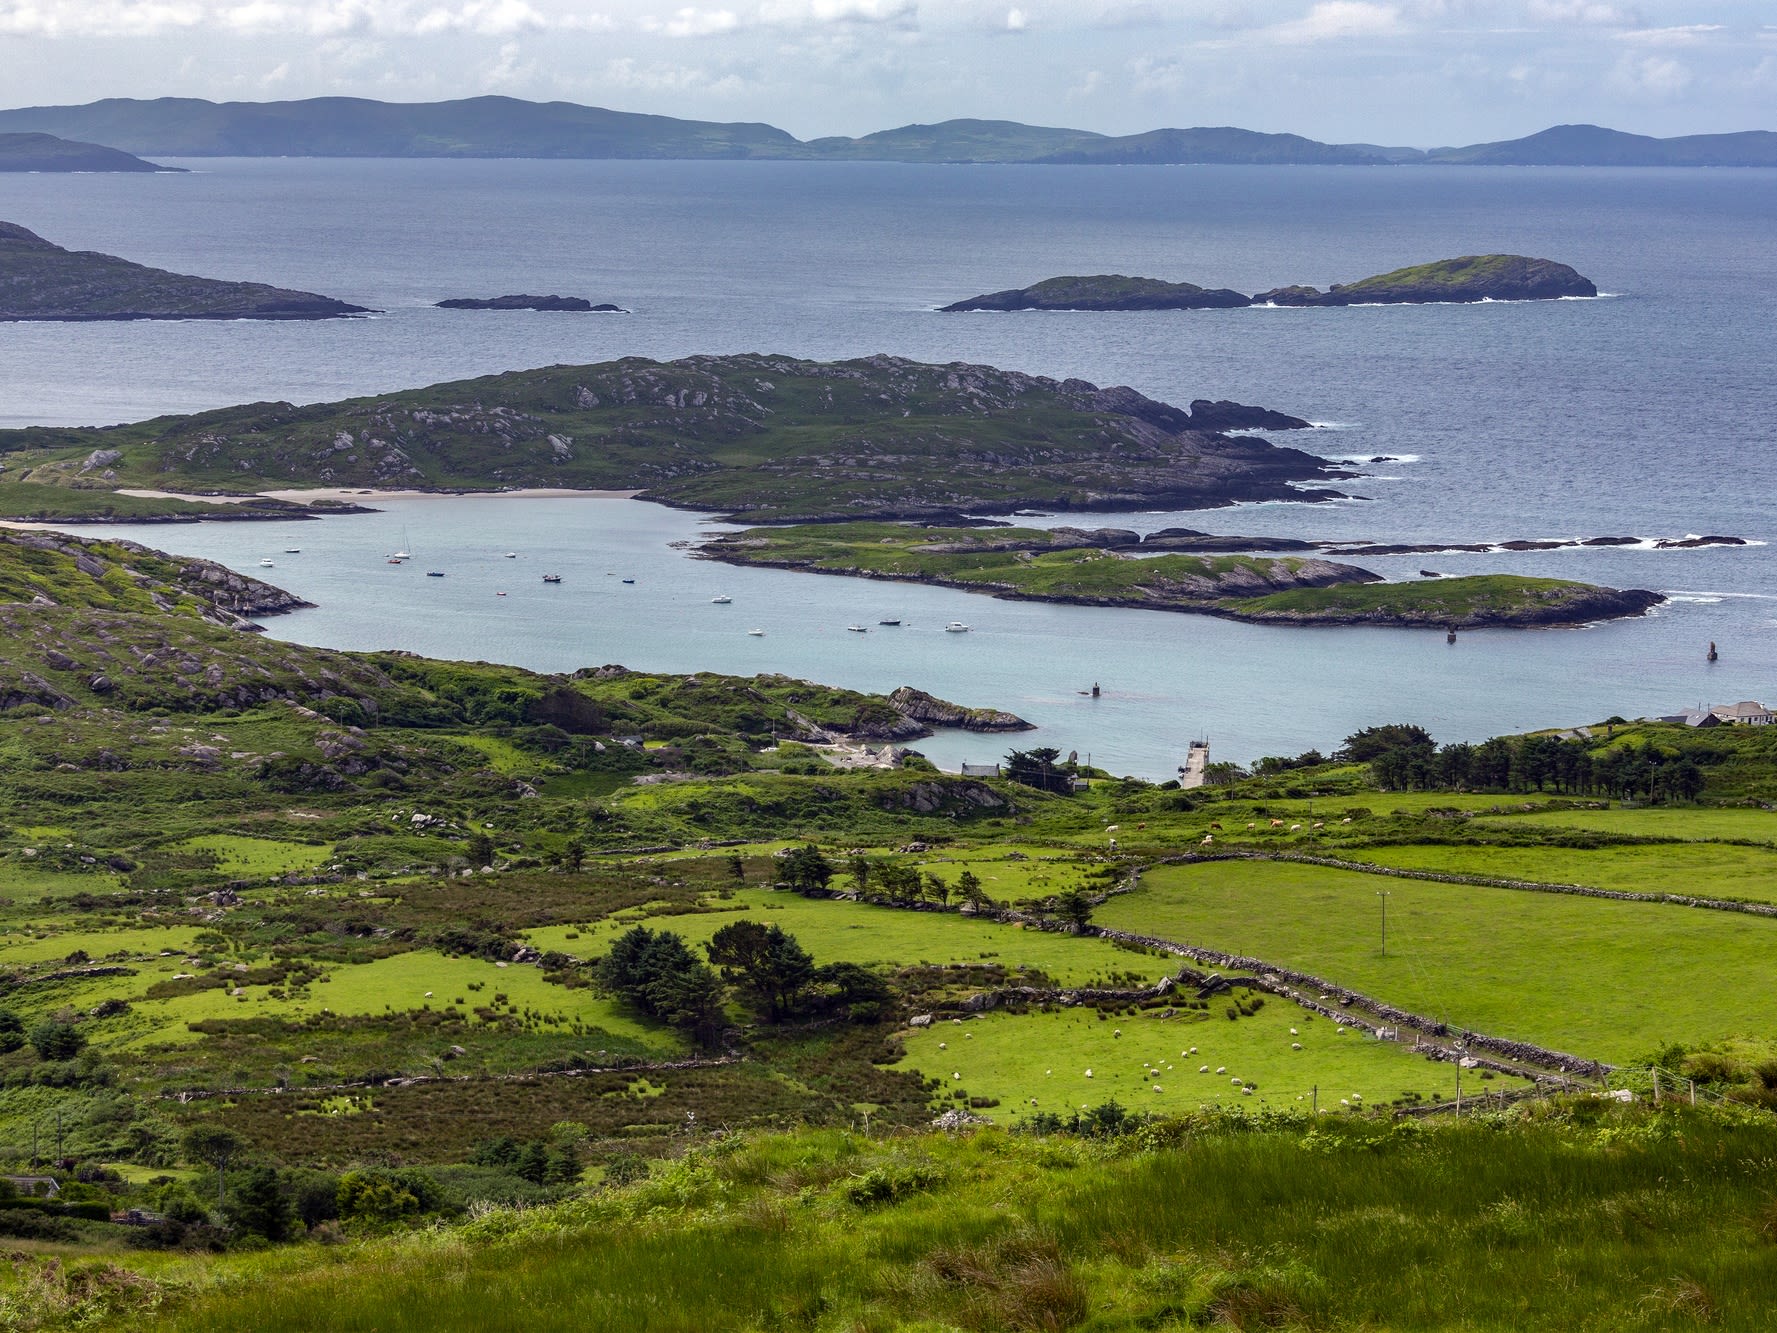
[[933, 712], [1224, 415]]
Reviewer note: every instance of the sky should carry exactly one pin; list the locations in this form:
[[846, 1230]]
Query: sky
[[1415, 72]]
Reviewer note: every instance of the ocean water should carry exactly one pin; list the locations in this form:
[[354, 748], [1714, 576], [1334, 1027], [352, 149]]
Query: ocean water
[[1647, 412]]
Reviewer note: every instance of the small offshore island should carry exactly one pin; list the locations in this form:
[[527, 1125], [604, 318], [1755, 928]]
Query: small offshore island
[[1097, 568], [574, 304], [40, 280], [1467, 280]]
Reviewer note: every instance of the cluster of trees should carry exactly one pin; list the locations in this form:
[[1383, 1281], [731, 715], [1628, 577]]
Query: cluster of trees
[[551, 1161], [661, 975], [1406, 758], [1041, 768], [903, 883]]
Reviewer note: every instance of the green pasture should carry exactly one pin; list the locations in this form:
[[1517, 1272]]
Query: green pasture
[[243, 857], [1594, 977], [22, 880], [851, 932], [1696, 822], [1067, 1059], [396, 984], [19, 947], [1711, 870]]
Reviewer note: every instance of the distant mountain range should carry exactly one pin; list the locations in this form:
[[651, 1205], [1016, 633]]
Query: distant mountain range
[[507, 127]]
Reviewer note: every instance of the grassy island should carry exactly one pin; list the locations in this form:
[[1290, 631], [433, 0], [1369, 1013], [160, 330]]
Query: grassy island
[[1106, 569], [770, 437]]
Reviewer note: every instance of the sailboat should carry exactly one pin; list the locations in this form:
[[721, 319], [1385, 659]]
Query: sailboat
[[723, 600]]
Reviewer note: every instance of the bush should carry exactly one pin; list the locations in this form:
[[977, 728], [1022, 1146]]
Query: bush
[[53, 1039]]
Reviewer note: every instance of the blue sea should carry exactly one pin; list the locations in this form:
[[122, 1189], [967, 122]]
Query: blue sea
[[1646, 413]]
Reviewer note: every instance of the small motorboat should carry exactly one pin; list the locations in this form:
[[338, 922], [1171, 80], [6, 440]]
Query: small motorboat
[[956, 627], [888, 622], [399, 556], [293, 550], [393, 560], [512, 555], [629, 580], [757, 633], [499, 594], [723, 600], [857, 629], [552, 578], [265, 564], [434, 573]]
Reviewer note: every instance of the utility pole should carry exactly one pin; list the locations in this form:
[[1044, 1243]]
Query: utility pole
[[59, 1153], [1382, 894]]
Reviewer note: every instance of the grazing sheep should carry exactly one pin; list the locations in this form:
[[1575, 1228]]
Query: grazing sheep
[[1192, 1051], [1246, 1092], [1116, 1032], [1277, 823], [1203, 1069], [1294, 1033], [1216, 824], [1221, 1069], [1235, 1080], [1295, 1045], [1295, 828], [1088, 1073], [1320, 823], [956, 1076], [1207, 839], [1156, 1087], [1250, 827], [1346, 820]]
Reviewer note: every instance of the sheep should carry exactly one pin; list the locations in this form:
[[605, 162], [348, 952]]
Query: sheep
[[1295, 828], [1346, 820], [1235, 1080], [1221, 1069], [1116, 1032], [956, 1076], [1294, 1033], [1192, 1051], [1156, 1087], [1320, 823], [1216, 824], [1295, 1045], [1277, 823], [944, 1046], [1202, 1069], [1250, 827], [1207, 839], [1088, 1073]]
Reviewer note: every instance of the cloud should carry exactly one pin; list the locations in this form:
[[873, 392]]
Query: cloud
[[1594, 13], [1688, 34], [1016, 20], [694, 23], [1333, 20], [1651, 78], [305, 18]]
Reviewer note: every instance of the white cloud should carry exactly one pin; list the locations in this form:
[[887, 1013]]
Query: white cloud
[[1595, 13], [1016, 20], [1332, 20], [1655, 78], [690, 22], [1688, 34]]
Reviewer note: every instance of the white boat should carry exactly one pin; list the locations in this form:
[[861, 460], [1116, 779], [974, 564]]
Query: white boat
[[265, 564], [757, 633], [399, 556], [723, 600], [956, 627], [857, 629], [512, 555]]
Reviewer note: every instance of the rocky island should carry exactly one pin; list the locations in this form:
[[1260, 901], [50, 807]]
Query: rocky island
[[771, 438], [47, 152], [575, 304], [1464, 280], [40, 280], [1101, 568], [1105, 291]]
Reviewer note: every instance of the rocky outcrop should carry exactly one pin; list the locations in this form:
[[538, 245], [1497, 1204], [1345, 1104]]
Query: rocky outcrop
[[1468, 279], [1104, 291], [39, 280], [562, 303], [1224, 415], [929, 711]]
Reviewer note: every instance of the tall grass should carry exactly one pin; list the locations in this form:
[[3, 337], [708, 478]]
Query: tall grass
[[1583, 1219]]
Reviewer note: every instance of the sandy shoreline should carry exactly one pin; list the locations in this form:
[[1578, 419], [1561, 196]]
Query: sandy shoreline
[[307, 495]]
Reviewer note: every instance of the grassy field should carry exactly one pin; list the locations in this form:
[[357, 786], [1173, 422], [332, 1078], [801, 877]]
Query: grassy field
[[1705, 869], [1739, 825], [849, 932], [1073, 1058], [1601, 979]]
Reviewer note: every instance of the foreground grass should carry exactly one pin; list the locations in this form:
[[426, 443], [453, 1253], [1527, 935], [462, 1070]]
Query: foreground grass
[[1611, 980], [1587, 1219]]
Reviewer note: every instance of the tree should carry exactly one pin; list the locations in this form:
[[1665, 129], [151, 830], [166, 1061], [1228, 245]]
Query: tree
[[12, 1031], [212, 1145], [1073, 907], [856, 989], [1039, 768], [968, 884], [260, 1206], [737, 867], [766, 960], [937, 890], [657, 973], [55, 1039], [573, 856], [1363, 746], [374, 1196], [480, 849], [805, 870], [858, 867]]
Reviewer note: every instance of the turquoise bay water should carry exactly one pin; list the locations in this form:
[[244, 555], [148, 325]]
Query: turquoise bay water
[[1645, 414]]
